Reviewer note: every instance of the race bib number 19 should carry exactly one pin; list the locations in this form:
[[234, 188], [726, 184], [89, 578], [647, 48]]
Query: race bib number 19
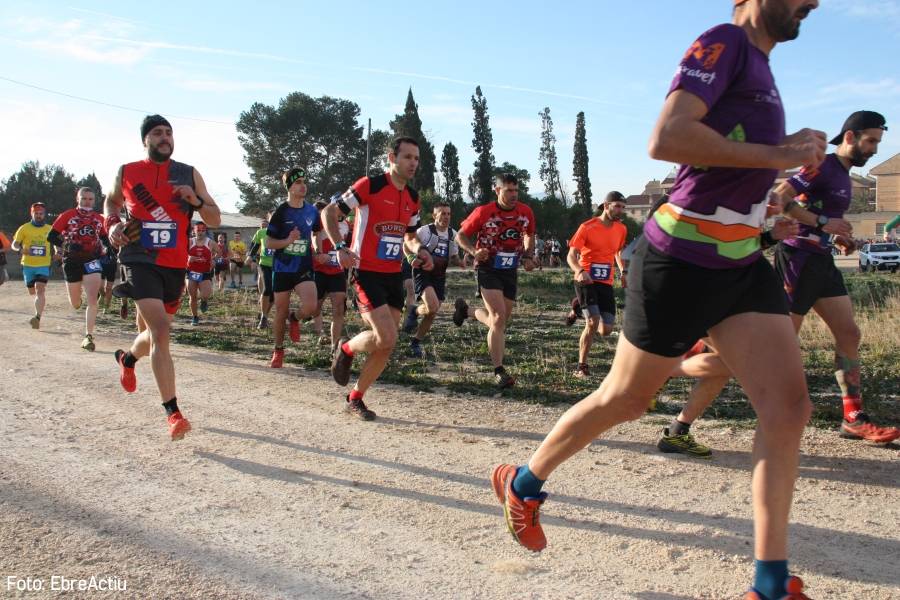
[[156, 235], [506, 260], [389, 248], [600, 271]]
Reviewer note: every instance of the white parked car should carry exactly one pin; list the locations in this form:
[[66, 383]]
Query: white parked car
[[879, 257]]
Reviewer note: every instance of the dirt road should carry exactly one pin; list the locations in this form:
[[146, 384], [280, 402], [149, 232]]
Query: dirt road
[[276, 494]]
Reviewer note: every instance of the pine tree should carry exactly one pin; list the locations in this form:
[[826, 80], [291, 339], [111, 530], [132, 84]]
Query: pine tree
[[410, 125], [549, 167], [480, 183], [452, 184], [580, 164]]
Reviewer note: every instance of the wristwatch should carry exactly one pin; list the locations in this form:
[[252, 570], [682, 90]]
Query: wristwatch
[[340, 246], [822, 220]]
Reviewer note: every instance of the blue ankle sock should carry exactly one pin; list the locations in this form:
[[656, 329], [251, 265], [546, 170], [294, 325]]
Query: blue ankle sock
[[526, 485], [770, 578]]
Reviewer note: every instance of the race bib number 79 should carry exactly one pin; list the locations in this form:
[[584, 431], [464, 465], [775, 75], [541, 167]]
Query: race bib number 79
[[389, 248]]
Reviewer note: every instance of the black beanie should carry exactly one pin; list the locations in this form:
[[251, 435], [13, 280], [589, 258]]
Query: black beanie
[[151, 121]]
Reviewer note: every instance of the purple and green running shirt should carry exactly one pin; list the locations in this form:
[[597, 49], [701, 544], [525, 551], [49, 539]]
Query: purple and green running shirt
[[823, 190], [715, 214]]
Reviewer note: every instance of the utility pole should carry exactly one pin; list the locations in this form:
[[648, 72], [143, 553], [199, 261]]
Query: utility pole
[[368, 149]]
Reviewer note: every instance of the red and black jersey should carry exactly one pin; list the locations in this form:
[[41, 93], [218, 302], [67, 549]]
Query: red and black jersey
[[332, 267], [500, 231], [165, 219], [200, 257], [80, 231], [384, 214]]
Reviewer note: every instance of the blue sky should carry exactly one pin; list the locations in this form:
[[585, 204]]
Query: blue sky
[[201, 64]]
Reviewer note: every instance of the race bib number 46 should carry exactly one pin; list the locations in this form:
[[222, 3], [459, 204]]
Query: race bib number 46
[[506, 260], [156, 235], [389, 248], [600, 271], [37, 250]]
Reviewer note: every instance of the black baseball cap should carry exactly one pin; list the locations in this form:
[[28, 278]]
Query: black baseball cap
[[861, 119]]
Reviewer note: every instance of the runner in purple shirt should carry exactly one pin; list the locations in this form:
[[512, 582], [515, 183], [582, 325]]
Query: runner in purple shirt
[[699, 268], [818, 198]]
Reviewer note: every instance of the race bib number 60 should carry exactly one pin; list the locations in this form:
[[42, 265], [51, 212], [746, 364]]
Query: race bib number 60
[[389, 248], [156, 235]]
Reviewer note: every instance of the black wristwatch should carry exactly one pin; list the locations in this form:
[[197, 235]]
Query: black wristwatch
[[821, 220], [340, 246]]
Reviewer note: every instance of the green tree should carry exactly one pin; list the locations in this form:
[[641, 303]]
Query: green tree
[[451, 189], [323, 135], [52, 185], [580, 164], [410, 125], [549, 164], [480, 185]]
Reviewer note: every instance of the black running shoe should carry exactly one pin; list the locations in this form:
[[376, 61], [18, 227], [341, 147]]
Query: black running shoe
[[504, 380], [204, 305], [460, 312], [358, 409], [340, 364]]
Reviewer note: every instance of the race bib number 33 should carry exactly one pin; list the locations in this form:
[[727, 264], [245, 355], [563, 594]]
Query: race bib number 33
[[600, 271], [389, 248], [156, 235]]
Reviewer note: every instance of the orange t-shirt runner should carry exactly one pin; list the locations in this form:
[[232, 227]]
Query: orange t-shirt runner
[[598, 246]]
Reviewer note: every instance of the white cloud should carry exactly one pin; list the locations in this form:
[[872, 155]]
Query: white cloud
[[74, 38]]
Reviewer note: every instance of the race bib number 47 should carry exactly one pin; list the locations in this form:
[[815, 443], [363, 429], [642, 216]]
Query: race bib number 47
[[389, 248], [156, 235]]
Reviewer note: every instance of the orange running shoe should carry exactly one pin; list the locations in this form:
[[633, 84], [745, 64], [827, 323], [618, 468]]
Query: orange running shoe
[[277, 359], [294, 331], [522, 514], [699, 347], [178, 426], [126, 374], [862, 428], [793, 585]]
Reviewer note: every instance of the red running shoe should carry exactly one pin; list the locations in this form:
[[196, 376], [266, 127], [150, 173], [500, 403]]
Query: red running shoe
[[522, 514], [277, 359], [862, 428], [126, 374], [178, 426], [793, 585]]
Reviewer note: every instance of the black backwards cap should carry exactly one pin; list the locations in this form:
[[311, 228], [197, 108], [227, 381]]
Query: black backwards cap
[[151, 121], [861, 119]]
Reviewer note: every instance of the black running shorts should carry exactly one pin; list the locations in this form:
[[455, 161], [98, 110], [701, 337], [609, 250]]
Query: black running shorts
[[266, 274], [375, 289], [285, 282], [424, 279], [330, 283], [153, 281], [807, 277], [597, 300], [505, 280], [670, 303]]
